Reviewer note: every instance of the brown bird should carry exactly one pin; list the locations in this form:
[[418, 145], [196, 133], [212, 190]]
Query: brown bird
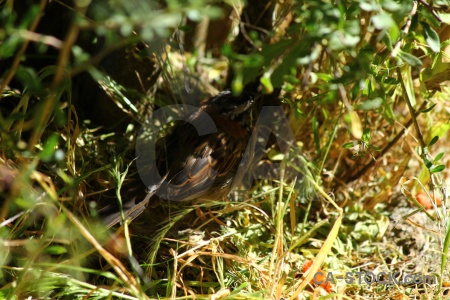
[[189, 166]]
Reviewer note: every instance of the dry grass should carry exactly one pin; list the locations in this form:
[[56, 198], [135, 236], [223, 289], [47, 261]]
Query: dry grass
[[343, 196]]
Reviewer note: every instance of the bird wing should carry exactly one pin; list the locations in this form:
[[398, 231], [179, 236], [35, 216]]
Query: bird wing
[[192, 172], [186, 174], [189, 165]]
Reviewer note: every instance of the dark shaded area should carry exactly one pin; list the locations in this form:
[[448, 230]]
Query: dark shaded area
[[128, 66]]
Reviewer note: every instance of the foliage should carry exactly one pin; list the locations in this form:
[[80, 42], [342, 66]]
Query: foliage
[[354, 76]]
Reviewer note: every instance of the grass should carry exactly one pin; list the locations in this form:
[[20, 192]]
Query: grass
[[342, 199], [252, 248]]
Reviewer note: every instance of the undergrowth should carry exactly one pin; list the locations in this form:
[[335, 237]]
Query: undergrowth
[[360, 189]]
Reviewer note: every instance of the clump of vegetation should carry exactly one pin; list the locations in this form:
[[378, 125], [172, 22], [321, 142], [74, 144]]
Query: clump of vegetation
[[358, 188]]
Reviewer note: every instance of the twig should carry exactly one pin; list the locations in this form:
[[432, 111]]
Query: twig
[[385, 149], [12, 219], [423, 153], [41, 38], [431, 10], [411, 110], [405, 29]]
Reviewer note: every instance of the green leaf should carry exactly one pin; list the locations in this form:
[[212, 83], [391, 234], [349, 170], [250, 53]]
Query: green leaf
[[275, 155], [438, 157], [433, 141], [383, 21], [394, 32], [340, 40], [425, 110], [370, 104], [409, 59], [374, 147], [369, 5], [265, 81], [445, 17], [388, 112], [253, 60], [366, 135], [55, 250], [311, 57], [388, 41], [348, 145], [437, 169], [289, 61], [438, 66], [440, 129], [49, 148], [239, 288], [431, 37], [29, 78], [391, 5], [237, 86], [356, 125], [226, 50], [271, 51], [299, 113], [409, 85]]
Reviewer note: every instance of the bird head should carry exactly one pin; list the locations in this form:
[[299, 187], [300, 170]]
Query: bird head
[[233, 106]]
